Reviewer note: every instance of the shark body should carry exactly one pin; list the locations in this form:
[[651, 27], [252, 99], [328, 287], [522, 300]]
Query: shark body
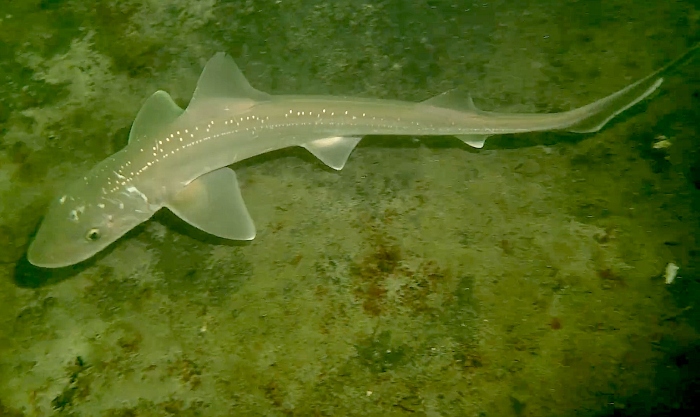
[[179, 158]]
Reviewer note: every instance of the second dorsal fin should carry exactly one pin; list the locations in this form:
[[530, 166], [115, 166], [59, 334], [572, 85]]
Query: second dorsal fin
[[453, 99]]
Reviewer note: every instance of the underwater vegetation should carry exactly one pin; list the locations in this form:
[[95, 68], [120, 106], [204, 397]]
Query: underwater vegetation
[[426, 278]]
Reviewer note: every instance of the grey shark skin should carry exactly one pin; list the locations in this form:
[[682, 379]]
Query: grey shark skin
[[179, 158]]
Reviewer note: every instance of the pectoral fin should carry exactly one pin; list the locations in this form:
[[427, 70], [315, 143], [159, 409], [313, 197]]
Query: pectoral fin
[[213, 203], [158, 112], [333, 151]]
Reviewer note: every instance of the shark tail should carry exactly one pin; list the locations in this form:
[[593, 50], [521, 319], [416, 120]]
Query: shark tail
[[594, 116]]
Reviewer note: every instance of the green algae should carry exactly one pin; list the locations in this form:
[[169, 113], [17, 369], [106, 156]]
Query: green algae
[[430, 280]]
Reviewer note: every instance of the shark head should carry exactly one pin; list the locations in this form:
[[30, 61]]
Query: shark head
[[85, 219]]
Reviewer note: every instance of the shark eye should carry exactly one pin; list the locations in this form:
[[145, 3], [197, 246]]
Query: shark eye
[[93, 235]]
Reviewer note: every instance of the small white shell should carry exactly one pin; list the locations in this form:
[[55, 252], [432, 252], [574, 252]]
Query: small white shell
[[671, 272]]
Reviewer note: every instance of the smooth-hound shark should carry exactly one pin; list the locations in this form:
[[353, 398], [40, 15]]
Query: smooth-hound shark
[[179, 158]]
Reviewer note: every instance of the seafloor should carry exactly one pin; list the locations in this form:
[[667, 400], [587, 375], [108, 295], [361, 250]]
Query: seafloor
[[425, 279]]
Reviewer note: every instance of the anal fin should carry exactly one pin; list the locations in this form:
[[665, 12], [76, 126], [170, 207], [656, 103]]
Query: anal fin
[[475, 141], [460, 101], [213, 203]]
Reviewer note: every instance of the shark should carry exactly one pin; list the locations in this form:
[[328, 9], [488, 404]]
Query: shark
[[180, 159]]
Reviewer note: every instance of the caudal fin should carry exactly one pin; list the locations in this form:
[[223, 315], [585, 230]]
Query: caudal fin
[[595, 115]]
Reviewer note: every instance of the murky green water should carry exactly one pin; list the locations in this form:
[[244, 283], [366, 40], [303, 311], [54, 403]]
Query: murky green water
[[425, 278]]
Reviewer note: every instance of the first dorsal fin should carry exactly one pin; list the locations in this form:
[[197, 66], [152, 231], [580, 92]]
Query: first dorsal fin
[[222, 78], [157, 112]]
